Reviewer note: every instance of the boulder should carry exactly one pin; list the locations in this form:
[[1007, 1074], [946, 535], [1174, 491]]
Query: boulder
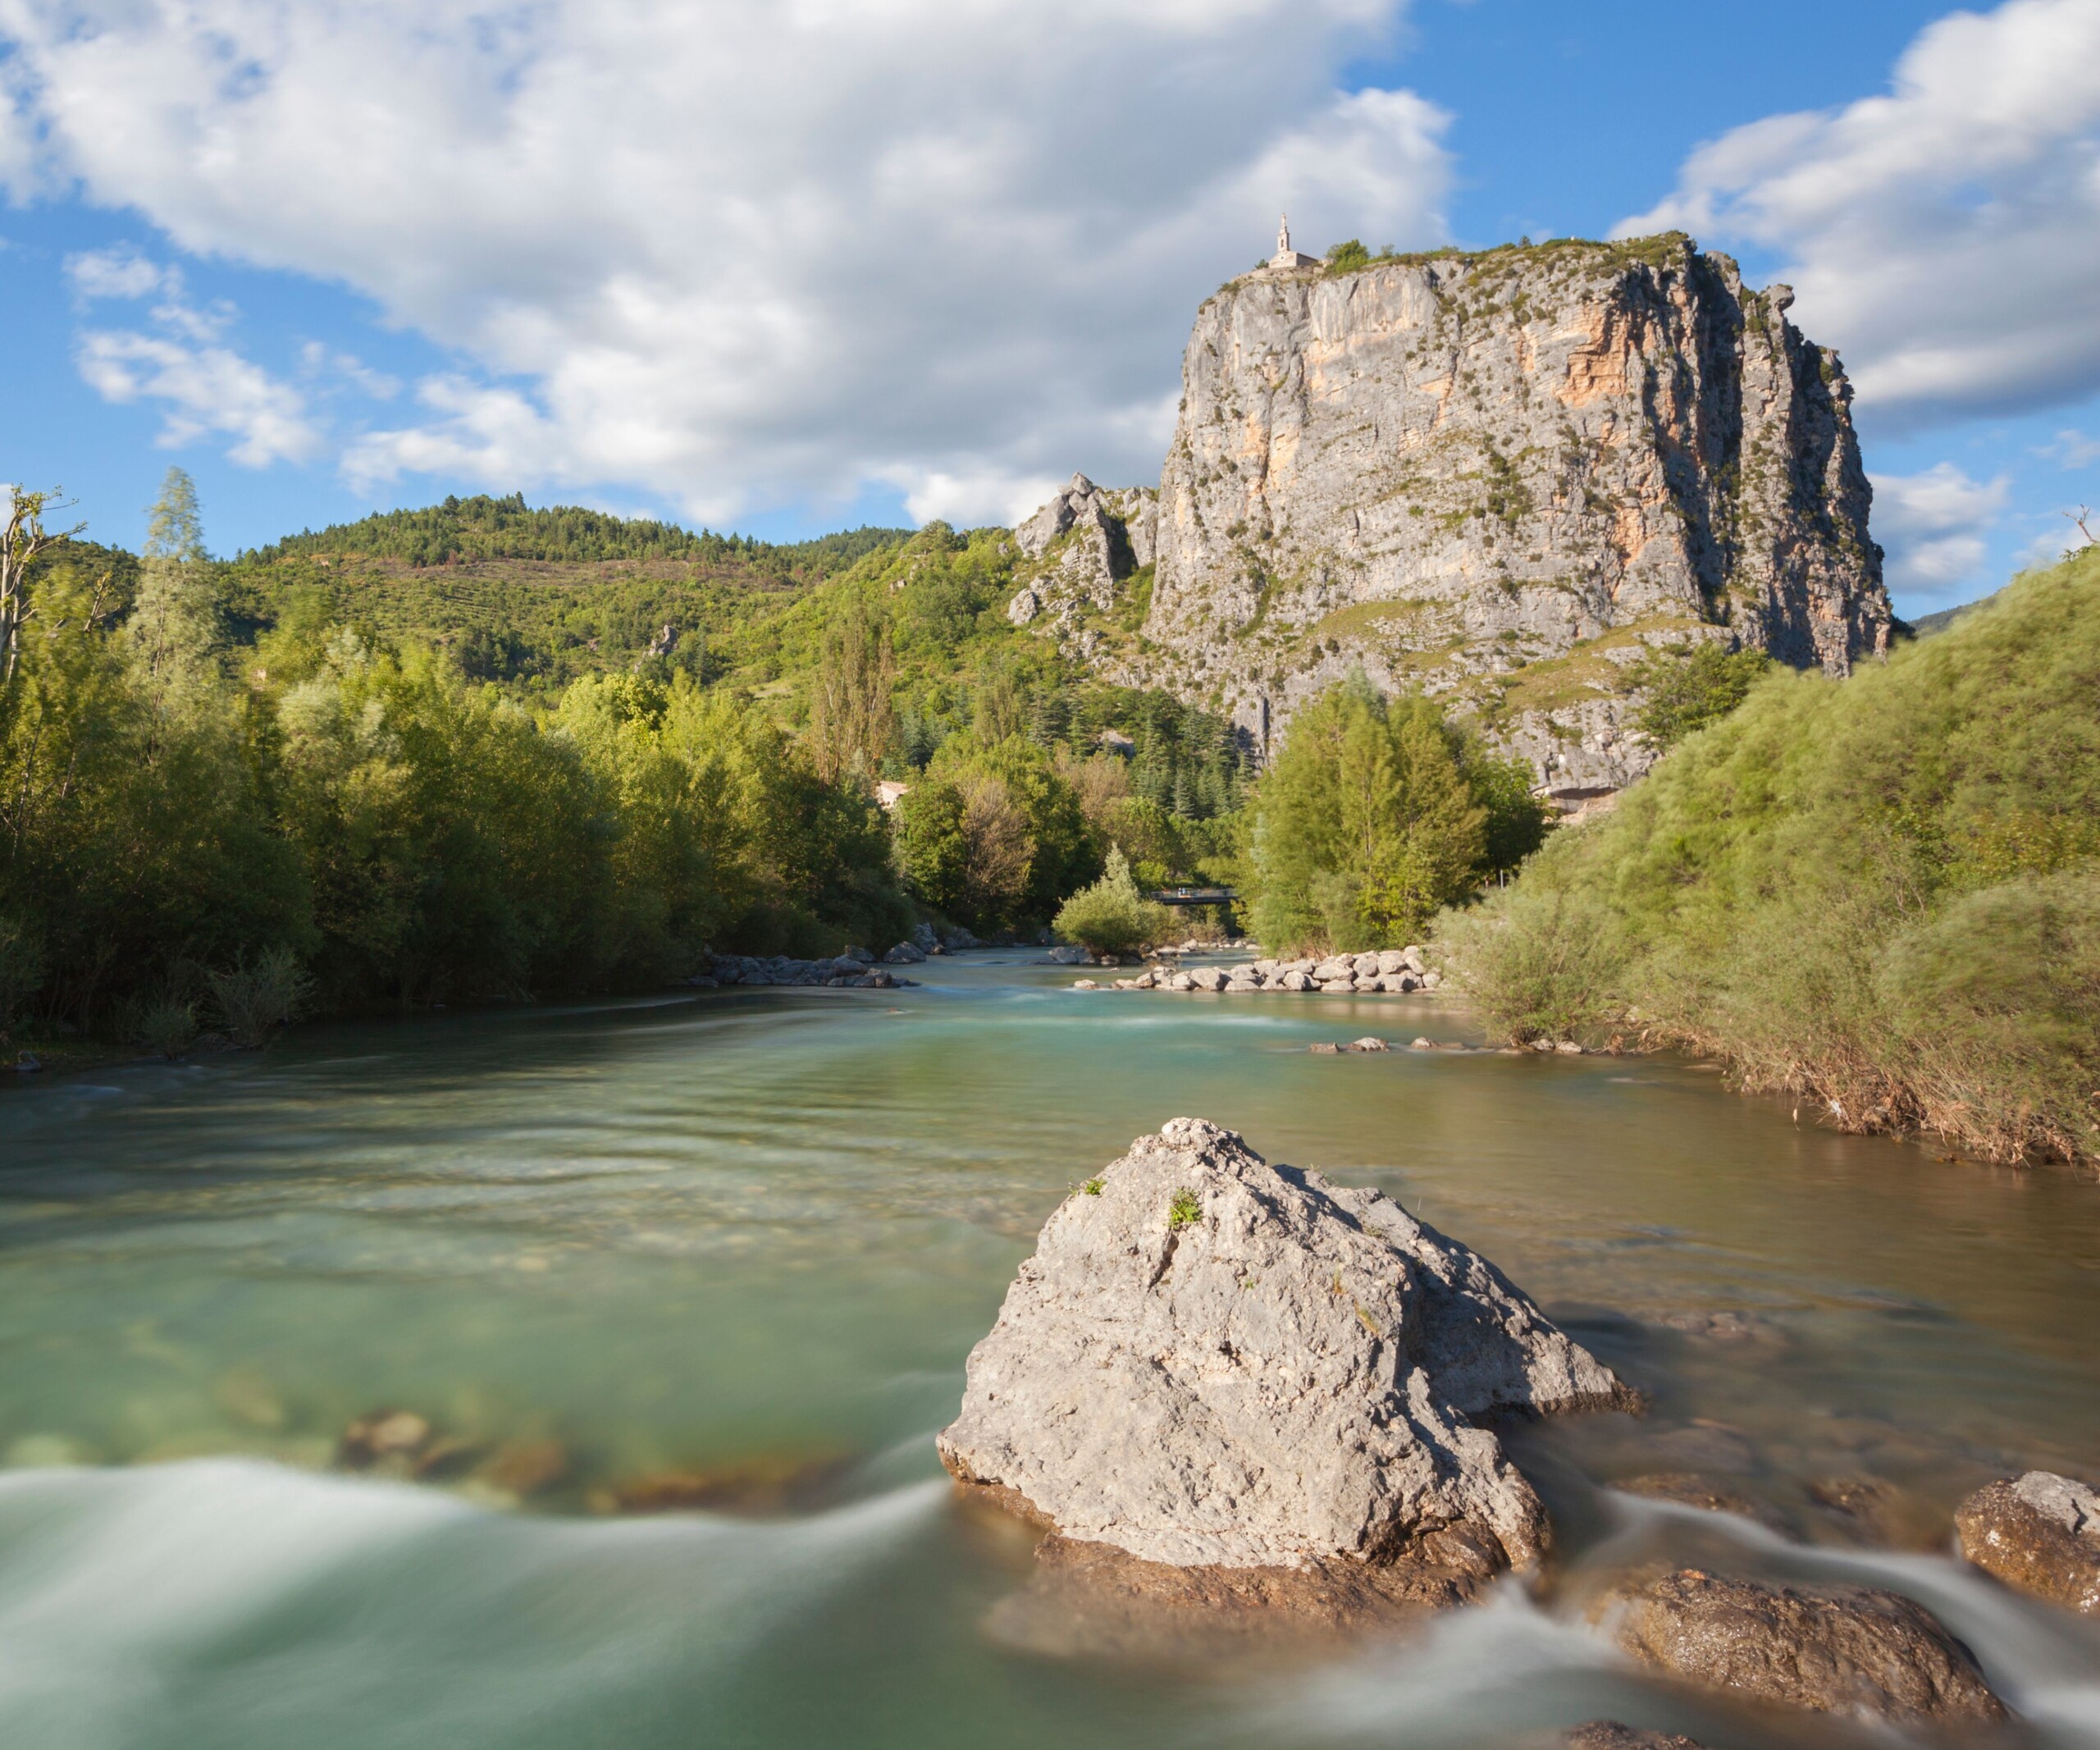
[[1208, 978], [1214, 1363], [1830, 1649], [1181, 981], [1085, 984], [1070, 955], [905, 954], [2040, 1534], [863, 956], [1295, 980], [1367, 1044], [1329, 970], [922, 934], [1392, 962]]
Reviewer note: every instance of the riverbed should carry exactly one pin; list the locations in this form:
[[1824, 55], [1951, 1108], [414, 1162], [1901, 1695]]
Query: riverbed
[[671, 1236]]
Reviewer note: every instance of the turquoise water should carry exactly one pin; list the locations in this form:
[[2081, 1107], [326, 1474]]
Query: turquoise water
[[767, 1227]]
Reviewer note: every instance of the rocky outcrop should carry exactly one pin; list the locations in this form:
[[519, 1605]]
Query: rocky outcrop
[[1212, 1364], [1503, 477], [2039, 1533], [1830, 1649], [1078, 552]]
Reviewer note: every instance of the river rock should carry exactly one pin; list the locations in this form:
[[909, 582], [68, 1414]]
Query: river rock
[[1708, 1494], [1611, 1734], [1071, 955], [905, 954], [1296, 979], [1207, 978], [2039, 1534], [1830, 1649], [1216, 1363]]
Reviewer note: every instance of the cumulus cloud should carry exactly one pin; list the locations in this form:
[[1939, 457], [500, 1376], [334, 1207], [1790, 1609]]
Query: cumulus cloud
[[2073, 449], [204, 387], [120, 272], [751, 249], [1933, 526], [1946, 236]]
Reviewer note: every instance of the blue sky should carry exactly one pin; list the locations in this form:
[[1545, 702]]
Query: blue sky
[[782, 267]]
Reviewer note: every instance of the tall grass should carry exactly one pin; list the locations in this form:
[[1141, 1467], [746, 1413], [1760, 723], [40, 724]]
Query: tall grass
[[1880, 895]]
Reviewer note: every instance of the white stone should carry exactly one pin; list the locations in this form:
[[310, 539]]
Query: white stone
[[1284, 1371]]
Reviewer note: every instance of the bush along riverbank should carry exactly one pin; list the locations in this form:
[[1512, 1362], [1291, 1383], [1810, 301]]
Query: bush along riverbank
[[1881, 896]]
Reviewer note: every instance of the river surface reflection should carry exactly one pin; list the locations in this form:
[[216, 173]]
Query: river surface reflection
[[682, 1235]]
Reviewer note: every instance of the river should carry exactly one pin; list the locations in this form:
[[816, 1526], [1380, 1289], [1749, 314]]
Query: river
[[767, 1225]]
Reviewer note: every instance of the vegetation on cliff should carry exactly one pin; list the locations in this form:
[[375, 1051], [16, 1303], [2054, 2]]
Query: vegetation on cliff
[[1881, 895]]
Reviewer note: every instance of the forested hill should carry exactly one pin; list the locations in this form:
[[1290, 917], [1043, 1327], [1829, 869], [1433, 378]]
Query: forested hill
[[482, 528]]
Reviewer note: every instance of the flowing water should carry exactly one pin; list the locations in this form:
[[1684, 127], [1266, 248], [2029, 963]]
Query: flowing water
[[754, 1235]]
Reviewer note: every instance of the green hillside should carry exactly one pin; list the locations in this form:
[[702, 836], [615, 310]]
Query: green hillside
[[1880, 895]]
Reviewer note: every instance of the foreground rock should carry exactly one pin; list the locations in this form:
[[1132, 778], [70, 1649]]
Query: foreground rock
[[2039, 1534], [1214, 1365], [1830, 1649]]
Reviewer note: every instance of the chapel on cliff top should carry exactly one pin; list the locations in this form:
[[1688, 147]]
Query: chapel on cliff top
[[1286, 257]]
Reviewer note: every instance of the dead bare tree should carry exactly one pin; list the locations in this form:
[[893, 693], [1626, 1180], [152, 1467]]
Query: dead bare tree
[[23, 538], [2079, 516]]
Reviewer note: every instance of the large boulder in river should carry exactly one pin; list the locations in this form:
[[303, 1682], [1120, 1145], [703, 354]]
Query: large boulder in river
[[1830, 1649], [2040, 1533], [1214, 1363]]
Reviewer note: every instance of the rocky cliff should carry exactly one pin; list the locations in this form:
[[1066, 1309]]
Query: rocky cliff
[[1503, 477]]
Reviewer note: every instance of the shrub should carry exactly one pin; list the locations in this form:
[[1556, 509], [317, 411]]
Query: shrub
[[1881, 896], [258, 997], [1112, 917], [1540, 965], [1688, 689], [166, 1028]]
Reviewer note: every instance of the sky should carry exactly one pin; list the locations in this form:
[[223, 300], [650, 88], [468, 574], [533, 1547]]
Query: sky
[[785, 265]]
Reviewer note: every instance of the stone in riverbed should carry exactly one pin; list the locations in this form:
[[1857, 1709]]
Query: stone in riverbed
[[2039, 1534], [1295, 980], [905, 954], [1215, 1364], [1611, 1734], [1830, 1649]]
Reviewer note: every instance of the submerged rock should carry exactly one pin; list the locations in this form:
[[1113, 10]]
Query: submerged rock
[[1212, 1363], [1610, 1734], [2039, 1534], [1709, 1495], [1830, 1649]]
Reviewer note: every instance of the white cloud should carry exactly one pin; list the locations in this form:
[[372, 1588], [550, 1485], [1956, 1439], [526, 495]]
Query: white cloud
[[1947, 235], [120, 272], [204, 389], [2073, 449], [1933, 526], [752, 247]]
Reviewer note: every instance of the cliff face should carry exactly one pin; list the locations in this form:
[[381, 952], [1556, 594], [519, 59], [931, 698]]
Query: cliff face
[[1505, 476]]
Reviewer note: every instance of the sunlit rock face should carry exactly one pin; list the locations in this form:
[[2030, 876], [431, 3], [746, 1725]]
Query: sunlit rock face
[[1447, 471]]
